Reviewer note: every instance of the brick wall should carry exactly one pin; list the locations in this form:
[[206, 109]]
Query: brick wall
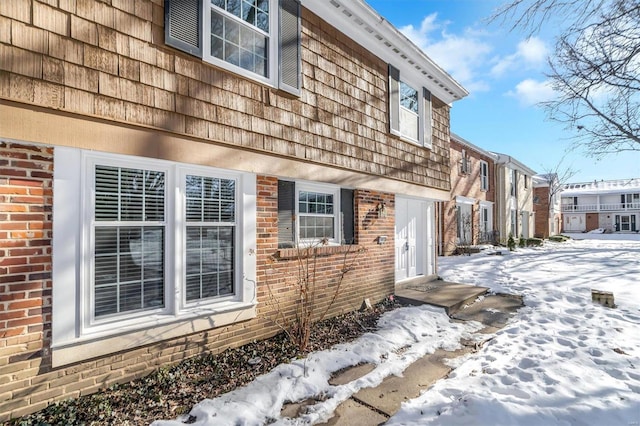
[[541, 209], [27, 380], [466, 185], [371, 265], [108, 59], [26, 176]]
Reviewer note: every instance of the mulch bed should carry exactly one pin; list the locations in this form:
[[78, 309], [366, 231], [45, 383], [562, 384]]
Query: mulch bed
[[171, 391]]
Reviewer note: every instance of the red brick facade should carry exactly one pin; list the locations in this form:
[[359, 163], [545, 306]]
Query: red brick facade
[[465, 182], [27, 379]]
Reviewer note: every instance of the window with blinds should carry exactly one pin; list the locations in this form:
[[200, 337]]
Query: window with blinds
[[210, 212], [129, 240]]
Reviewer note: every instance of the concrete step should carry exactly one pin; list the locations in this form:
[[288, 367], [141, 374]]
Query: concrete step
[[450, 296], [491, 310]]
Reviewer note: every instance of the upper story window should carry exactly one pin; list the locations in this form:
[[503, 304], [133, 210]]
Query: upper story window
[[484, 176], [513, 181], [240, 34], [409, 109], [465, 163], [409, 118], [259, 39]]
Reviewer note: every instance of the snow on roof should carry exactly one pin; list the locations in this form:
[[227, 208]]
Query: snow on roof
[[602, 186]]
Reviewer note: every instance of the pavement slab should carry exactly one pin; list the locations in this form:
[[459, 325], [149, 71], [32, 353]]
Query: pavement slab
[[394, 390], [373, 406]]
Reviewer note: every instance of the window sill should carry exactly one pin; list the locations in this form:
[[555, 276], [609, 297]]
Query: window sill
[[156, 330], [302, 253]]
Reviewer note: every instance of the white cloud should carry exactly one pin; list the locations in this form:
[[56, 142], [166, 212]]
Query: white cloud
[[463, 56], [530, 92], [530, 53]]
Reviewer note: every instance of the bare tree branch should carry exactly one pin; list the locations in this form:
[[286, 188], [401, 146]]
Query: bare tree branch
[[595, 68]]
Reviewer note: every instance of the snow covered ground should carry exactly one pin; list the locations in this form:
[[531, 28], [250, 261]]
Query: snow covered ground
[[562, 360]]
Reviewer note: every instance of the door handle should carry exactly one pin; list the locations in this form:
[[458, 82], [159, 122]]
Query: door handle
[[406, 246]]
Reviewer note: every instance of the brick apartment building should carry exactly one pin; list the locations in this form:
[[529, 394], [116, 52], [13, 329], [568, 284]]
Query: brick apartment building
[[154, 177]]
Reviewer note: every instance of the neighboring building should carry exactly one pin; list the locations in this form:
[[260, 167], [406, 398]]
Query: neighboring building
[[514, 198], [154, 178], [468, 217], [612, 205], [546, 205]]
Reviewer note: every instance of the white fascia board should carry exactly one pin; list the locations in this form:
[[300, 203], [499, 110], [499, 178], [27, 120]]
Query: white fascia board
[[360, 22], [509, 160], [465, 200], [466, 143]]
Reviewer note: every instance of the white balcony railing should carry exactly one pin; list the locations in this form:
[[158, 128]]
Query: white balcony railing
[[608, 207]]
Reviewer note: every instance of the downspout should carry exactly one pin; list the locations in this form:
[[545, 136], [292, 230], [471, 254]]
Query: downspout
[[440, 231]]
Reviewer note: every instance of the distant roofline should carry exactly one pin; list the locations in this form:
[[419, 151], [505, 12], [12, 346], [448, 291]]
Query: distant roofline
[[602, 186], [459, 139], [363, 24], [507, 159]]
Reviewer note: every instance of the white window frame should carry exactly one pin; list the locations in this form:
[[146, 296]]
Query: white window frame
[[484, 176], [272, 48], [486, 207], [75, 334], [333, 190], [87, 308], [424, 109], [182, 222], [406, 112]]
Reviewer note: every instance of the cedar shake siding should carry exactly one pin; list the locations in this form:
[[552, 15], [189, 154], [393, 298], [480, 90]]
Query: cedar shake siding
[[129, 167]]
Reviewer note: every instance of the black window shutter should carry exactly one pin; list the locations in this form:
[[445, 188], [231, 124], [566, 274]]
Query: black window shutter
[[183, 25], [289, 66], [286, 212], [347, 212], [426, 95], [394, 100]]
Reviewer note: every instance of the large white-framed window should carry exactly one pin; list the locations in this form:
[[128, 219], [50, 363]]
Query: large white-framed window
[[209, 236], [126, 215], [409, 109], [484, 175], [144, 244], [259, 39]]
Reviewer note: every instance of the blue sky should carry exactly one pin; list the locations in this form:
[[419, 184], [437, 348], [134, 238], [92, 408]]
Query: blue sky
[[504, 73]]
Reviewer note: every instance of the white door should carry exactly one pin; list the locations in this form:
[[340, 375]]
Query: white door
[[413, 238], [525, 225]]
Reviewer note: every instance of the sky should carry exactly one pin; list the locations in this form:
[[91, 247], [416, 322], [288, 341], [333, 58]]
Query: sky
[[560, 360], [504, 72]]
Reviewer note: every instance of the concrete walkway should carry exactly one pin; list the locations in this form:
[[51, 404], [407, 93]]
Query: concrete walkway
[[374, 406]]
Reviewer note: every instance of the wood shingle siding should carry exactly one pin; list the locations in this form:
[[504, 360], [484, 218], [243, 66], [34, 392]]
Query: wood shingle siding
[[100, 59]]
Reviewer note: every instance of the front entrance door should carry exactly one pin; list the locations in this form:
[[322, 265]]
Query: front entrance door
[[625, 222], [525, 224], [413, 244]]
